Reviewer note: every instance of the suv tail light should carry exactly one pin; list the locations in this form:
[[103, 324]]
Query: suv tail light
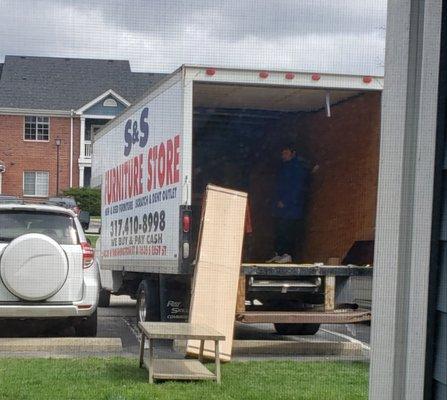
[[88, 255]]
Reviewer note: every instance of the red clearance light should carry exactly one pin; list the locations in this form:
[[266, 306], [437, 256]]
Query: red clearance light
[[290, 75], [84, 306], [316, 77], [263, 74], [88, 255], [210, 71], [186, 223], [367, 79]]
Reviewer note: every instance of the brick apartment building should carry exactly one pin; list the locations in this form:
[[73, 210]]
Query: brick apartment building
[[51, 106]]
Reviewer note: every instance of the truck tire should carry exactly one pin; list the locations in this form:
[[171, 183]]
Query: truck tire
[[104, 298], [297, 329], [148, 304], [87, 327]]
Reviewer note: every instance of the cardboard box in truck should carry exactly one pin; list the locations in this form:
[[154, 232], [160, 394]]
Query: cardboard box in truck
[[225, 126]]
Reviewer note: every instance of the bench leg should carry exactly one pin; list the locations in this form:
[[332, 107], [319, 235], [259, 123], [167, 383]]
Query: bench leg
[[151, 361], [202, 346], [142, 349], [217, 360]]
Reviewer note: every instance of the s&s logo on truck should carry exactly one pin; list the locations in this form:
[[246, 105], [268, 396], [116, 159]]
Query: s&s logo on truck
[[135, 132]]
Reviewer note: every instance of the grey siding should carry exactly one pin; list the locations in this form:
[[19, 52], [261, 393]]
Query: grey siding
[[440, 391], [440, 343], [439, 365]]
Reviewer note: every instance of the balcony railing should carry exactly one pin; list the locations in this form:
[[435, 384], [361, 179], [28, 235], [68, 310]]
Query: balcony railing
[[88, 149]]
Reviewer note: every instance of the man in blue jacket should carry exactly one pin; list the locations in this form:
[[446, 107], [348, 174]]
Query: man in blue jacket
[[292, 182]]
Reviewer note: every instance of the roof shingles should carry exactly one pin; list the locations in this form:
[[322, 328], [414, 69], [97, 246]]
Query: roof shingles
[[48, 83]]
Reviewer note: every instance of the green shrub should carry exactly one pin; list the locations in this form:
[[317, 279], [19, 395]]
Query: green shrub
[[88, 199]]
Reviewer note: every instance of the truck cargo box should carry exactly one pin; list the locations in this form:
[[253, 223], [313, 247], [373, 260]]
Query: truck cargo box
[[226, 126]]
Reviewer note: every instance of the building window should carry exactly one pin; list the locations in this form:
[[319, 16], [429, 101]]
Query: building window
[[110, 103], [35, 183], [37, 128]]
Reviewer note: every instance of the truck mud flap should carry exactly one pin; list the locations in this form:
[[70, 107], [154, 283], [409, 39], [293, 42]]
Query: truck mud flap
[[175, 295]]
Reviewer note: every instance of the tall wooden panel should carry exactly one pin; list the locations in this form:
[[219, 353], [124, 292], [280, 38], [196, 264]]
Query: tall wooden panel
[[216, 274]]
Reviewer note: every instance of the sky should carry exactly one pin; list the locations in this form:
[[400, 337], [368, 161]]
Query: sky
[[339, 36]]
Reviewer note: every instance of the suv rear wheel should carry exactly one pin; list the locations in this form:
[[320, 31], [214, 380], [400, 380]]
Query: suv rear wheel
[[87, 327]]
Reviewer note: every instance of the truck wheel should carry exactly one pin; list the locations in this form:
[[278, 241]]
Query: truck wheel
[[147, 301], [104, 298], [297, 329], [88, 326]]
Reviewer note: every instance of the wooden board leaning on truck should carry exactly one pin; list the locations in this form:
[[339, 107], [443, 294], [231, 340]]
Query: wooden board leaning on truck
[[216, 275]]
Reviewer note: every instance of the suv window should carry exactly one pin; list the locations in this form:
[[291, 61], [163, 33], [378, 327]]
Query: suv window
[[60, 227]]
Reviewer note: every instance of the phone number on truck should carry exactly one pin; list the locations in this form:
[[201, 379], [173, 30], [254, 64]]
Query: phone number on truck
[[152, 222]]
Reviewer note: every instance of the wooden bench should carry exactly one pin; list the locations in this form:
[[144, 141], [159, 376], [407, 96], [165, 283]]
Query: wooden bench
[[178, 369]]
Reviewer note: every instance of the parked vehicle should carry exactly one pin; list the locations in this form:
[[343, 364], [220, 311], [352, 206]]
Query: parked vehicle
[[7, 199], [47, 267], [225, 126], [70, 202]]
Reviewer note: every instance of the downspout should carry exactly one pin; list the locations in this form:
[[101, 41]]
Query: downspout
[[71, 147], [2, 170]]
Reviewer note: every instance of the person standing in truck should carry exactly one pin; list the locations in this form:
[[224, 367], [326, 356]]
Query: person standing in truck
[[292, 182]]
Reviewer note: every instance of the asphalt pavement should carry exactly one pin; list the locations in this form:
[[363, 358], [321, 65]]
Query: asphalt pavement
[[331, 342], [118, 323]]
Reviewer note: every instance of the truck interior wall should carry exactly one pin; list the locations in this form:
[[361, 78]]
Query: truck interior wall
[[341, 204]]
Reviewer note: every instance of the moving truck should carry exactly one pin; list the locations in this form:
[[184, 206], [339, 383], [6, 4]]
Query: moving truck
[[225, 126]]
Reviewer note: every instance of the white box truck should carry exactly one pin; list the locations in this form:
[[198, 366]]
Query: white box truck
[[225, 126]]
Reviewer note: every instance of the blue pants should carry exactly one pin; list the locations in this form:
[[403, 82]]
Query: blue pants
[[287, 233]]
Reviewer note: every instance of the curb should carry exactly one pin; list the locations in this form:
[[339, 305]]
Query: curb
[[249, 348], [64, 344], [293, 348]]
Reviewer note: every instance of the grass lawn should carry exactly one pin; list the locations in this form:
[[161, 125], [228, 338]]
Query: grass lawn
[[121, 379], [93, 239]]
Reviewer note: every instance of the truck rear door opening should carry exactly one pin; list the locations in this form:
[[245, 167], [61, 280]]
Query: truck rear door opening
[[237, 137]]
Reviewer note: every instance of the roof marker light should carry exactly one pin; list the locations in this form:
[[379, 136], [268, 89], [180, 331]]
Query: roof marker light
[[210, 71], [263, 74], [367, 79], [290, 75], [316, 77]]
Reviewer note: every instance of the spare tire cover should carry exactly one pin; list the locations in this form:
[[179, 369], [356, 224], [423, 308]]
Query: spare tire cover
[[33, 267]]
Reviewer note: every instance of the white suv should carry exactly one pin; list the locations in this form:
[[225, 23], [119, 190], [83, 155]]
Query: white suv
[[47, 267]]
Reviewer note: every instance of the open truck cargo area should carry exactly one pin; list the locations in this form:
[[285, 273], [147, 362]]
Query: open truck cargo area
[[226, 127]]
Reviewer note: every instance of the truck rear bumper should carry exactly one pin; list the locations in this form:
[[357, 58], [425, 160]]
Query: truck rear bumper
[[304, 317]]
